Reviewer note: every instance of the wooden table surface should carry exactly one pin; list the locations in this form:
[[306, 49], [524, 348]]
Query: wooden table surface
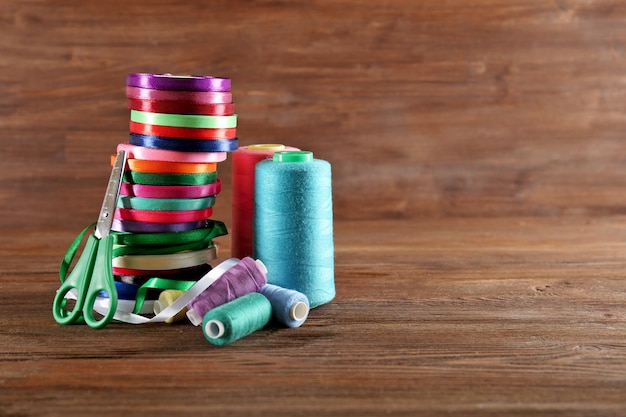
[[480, 216], [516, 316]]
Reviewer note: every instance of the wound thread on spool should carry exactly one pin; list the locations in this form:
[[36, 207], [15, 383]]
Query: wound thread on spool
[[242, 209], [238, 318], [293, 223], [289, 307], [243, 278]]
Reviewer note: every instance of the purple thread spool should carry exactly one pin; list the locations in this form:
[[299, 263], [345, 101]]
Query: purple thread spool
[[245, 277]]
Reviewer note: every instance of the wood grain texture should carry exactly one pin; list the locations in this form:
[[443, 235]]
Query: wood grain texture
[[442, 108], [477, 152], [517, 316]]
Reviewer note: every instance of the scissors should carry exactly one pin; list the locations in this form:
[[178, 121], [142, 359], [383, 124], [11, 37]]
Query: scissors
[[93, 275]]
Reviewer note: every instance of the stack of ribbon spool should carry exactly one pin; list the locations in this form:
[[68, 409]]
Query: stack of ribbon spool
[[180, 128]]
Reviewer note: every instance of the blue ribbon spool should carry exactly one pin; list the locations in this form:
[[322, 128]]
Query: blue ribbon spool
[[184, 145]]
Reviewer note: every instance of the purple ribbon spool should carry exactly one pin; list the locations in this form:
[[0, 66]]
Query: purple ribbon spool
[[178, 82], [143, 227]]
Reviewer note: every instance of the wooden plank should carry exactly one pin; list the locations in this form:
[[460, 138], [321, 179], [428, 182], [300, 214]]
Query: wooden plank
[[438, 108], [476, 316]]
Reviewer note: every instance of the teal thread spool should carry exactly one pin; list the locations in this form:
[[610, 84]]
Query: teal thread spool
[[293, 224], [232, 321]]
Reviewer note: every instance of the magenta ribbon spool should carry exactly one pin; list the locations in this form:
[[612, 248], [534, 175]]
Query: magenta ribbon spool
[[178, 82], [170, 191], [201, 97], [162, 216]]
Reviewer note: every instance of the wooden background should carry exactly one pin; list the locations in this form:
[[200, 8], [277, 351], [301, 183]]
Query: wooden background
[[478, 170]]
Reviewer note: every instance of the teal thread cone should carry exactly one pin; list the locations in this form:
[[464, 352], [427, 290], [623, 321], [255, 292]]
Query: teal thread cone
[[293, 224], [232, 321]]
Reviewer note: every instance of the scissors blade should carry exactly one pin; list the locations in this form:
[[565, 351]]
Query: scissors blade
[[105, 219]]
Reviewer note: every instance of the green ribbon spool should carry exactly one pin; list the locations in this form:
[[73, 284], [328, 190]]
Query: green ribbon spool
[[167, 204], [151, 178], [184, 120], [213, 228]]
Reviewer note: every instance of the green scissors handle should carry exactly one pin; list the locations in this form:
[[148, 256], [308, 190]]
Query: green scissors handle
[[91, 276], [79, 279], [101, 281]]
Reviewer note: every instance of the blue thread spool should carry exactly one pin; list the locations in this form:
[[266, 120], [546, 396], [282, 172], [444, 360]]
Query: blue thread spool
[[293, 224], [289, 307], [232, 321]]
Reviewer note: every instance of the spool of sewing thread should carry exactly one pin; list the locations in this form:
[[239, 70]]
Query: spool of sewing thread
[[166, 298], [293, 223], [232, 321], [242, 210], [245, 277], [289, 307]]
